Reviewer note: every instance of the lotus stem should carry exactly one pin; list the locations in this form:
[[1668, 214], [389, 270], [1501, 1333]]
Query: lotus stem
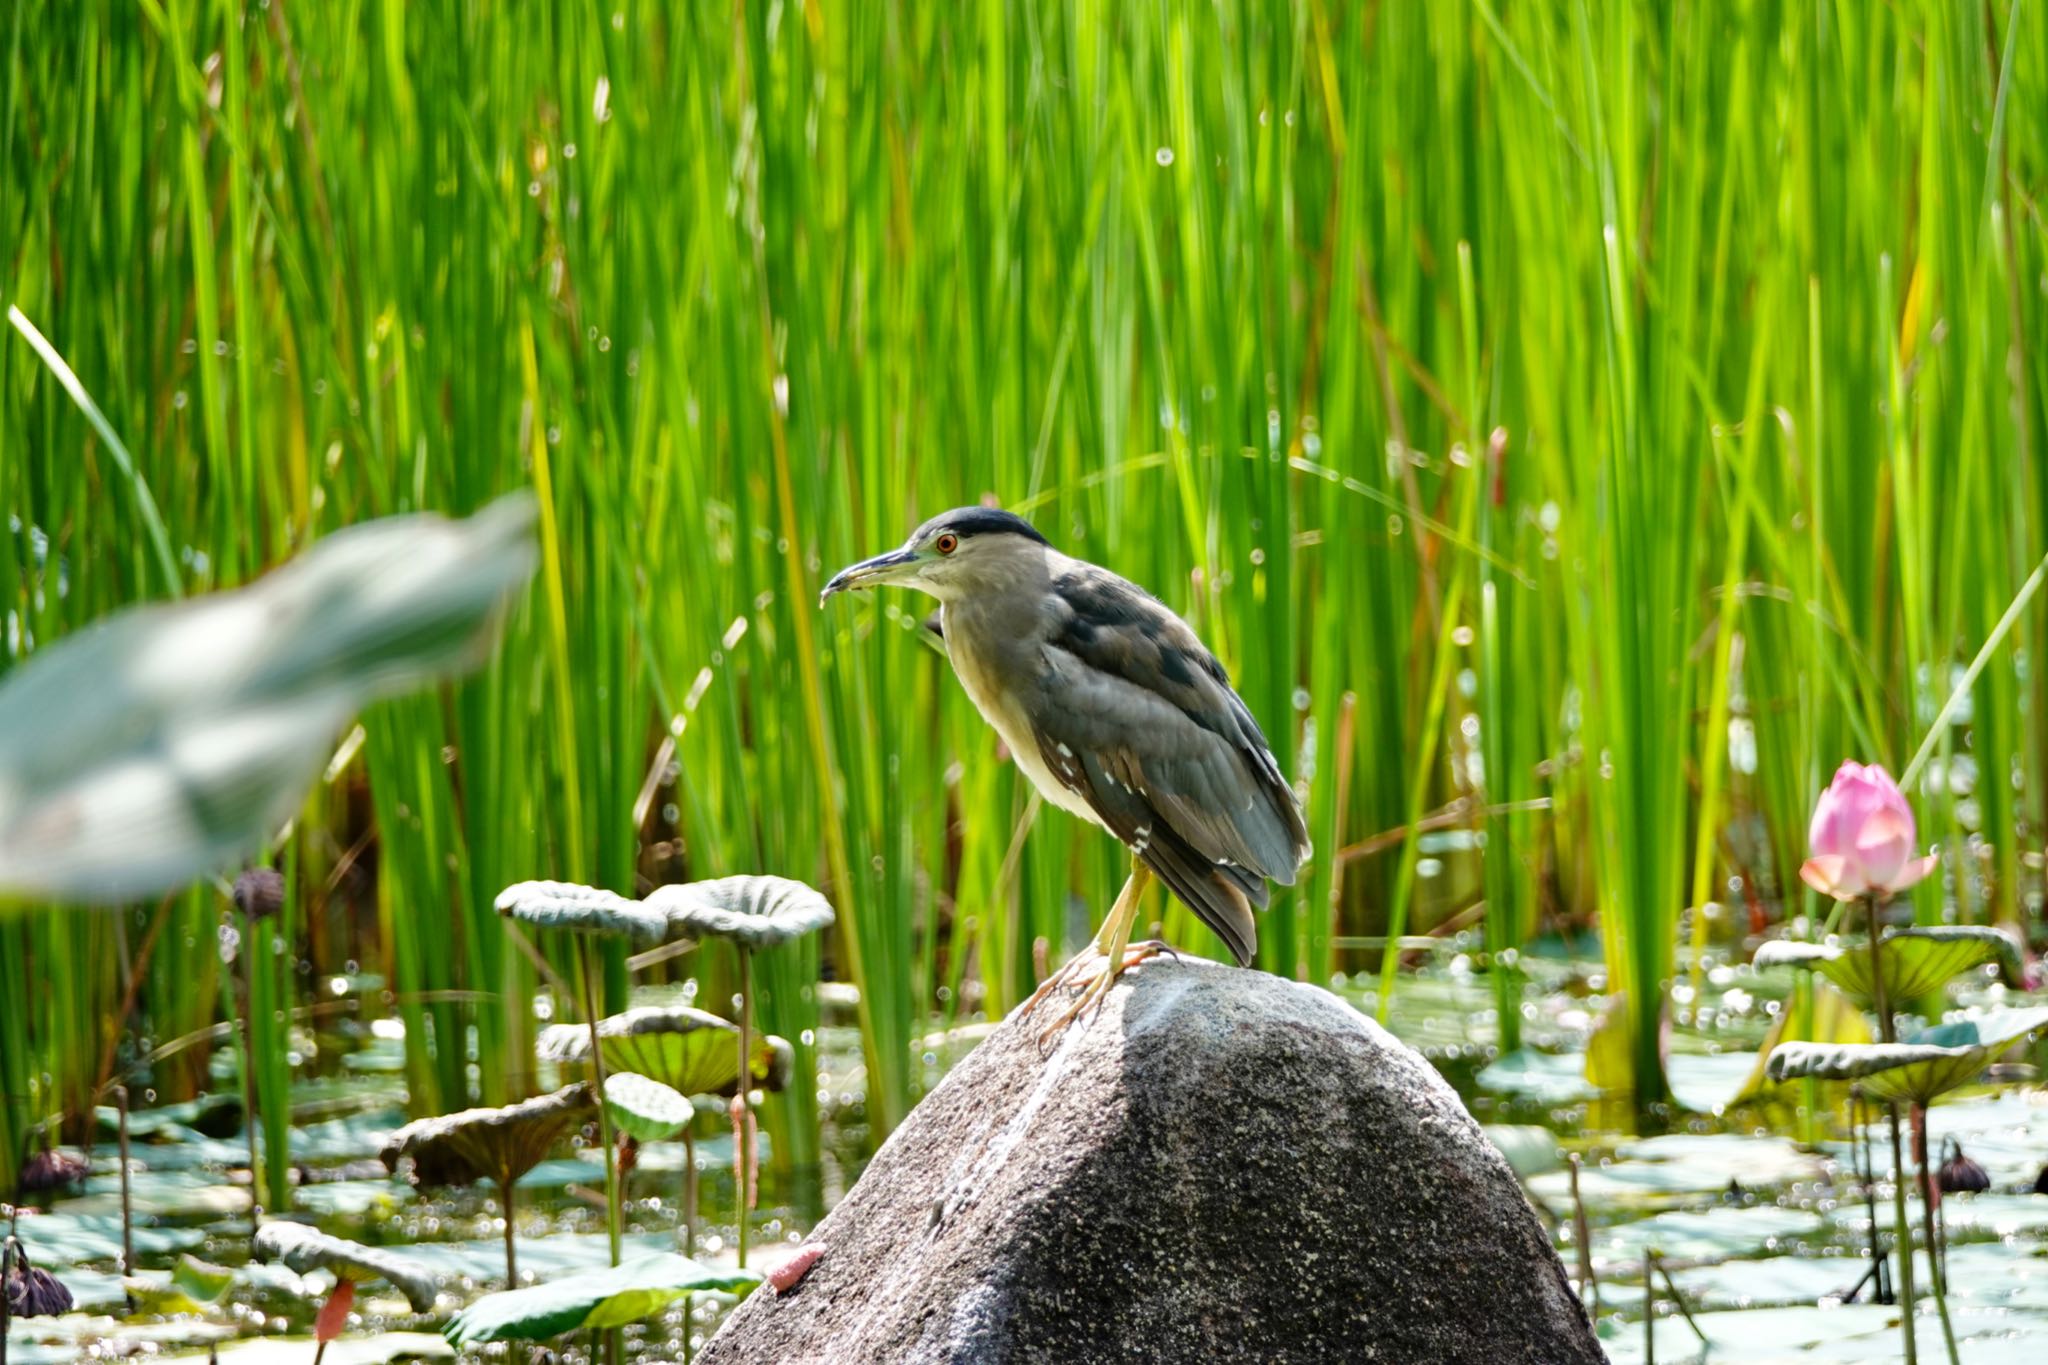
[[604, 1124], [1880, 1268], [6, 1268], [743, 1131], [1902, 1230], [127, 1197], [1948, 1331], [604, 1121], [1902, 1227], [686, 1217], [511, 1256], [248, 956]]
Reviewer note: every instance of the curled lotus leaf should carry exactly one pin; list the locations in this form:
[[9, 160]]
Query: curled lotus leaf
[[499, 1145], [1917, 961], [649, 1110], [580, 909], [753, 912], [685, 1049], [306, 1250], [611, 1297], [1931, 1063], [172, 740]]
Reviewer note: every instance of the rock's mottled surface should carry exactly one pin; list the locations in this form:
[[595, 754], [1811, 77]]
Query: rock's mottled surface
[[1223, 1166]]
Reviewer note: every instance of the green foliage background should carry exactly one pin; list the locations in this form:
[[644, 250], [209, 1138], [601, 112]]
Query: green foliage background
[[1515, 395]]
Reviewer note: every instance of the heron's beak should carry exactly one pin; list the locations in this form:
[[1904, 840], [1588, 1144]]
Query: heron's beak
[[893, 567]]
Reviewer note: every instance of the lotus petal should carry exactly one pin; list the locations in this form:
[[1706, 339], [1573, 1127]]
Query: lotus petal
[[498, 1145], [685, 1049], [1925, 1066], [306, 1249], [579, 909], [754, 912], [1917, 961], [169, 741], [611, 1297]]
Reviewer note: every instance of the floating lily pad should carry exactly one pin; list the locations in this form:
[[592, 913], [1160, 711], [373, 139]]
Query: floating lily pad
[[685, 1049], [496, 1144], [169, 741], [754, 912], [307, 1249], [611, 1297], [578, 909], [649, 1110], [1917, 961], [1933, 1061]]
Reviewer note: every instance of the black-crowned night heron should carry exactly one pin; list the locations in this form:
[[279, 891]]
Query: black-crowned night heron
[[1113, 708]]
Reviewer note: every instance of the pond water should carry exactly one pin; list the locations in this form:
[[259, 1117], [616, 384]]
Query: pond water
[[1760, 1235]]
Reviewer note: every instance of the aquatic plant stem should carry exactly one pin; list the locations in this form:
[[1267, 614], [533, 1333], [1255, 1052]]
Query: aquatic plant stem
[[1948, 1331], [743, 1128], [511, 1256], [686, 1217], [604, 1123], [245, 952], [1902, 1228], [127, 1197]]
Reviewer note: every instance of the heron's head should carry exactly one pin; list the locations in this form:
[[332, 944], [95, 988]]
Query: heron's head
[[954, 555]]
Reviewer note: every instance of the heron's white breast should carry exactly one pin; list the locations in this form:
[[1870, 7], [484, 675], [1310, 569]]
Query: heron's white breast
[[977, 672]]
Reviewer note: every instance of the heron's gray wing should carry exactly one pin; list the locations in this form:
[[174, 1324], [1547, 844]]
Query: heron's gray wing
[[1140, 721], [1129, 671]]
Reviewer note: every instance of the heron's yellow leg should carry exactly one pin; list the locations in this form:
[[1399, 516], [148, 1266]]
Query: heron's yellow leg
[[1123, 913], [1110, 955]]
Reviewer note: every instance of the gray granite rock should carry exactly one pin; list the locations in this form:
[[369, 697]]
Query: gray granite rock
[[1222, 1166]]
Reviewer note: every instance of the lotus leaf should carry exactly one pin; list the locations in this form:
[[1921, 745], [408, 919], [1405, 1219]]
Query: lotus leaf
[[306, 1249], [1917, 961], [498, 1145], [172, 740], [753, 912], [611, 1297], [685, 1049], [583, 910], [1925, 1066], [649, 1110]]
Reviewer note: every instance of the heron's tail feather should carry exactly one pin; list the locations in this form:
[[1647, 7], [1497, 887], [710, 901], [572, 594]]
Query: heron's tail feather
[[1221, 894]]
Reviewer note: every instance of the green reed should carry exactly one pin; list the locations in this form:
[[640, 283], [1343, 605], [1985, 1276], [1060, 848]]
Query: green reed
[[1232, 298]]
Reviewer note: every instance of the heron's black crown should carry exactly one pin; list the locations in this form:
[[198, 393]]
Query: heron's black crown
[[982, 521]]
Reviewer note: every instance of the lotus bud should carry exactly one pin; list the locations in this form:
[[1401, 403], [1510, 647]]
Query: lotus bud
[[1863, 837], [259, 892], [33, 1293], [1960, 1175], [51, 1169]]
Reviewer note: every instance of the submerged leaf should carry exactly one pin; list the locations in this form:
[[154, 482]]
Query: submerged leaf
[[1917, 961], [167, 741], [1932, 1062], [495, 1144], [685, 1049], [579, 909], [306, 1249], [754, 912], [611, 1297], [645, 1108]]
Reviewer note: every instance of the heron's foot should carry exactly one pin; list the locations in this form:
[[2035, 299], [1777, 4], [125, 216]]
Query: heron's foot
[[1065, 976], [1101, 973]]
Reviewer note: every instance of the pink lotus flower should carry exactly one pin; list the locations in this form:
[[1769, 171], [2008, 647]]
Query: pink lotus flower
[[1862, 837]]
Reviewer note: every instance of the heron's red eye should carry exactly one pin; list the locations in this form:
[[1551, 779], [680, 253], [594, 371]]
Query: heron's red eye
[[947, 543]]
